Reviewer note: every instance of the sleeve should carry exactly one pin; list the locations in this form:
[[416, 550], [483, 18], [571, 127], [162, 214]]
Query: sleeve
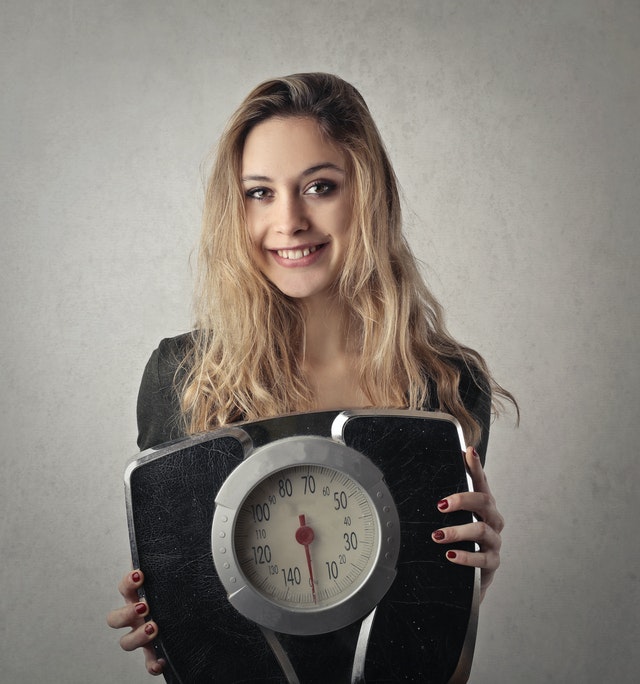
[[475, 393], [158, 410]]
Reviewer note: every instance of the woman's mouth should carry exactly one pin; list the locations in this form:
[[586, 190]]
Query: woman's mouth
[[295, 254], [299, 256]]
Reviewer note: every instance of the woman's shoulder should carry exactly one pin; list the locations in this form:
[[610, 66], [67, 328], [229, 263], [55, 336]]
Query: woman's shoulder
[[473, 384], [158, 409], [166, 360], [474, 392], [171, 351], [474, 388]]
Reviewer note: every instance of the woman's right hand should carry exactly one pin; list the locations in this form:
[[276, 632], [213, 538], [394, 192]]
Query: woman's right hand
[[132, 615]]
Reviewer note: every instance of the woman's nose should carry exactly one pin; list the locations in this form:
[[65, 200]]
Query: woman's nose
[[290, 215]]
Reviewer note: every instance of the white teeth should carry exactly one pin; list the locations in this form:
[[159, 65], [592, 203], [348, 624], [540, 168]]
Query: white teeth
[[294, 254]]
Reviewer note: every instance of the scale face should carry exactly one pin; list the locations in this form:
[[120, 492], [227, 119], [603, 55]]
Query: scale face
[[305, 536]]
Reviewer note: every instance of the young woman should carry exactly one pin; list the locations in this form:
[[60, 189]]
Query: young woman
[[309, 298]]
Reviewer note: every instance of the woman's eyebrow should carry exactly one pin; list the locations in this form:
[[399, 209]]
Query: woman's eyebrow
[[322, 167], [307, 172]]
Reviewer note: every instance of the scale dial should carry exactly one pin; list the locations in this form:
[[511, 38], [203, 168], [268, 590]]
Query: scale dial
[[305, 536]]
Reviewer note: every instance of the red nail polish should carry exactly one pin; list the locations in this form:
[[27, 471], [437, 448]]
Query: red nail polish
[[141, 608], [438, 535], [451, 555], [149, 629], [476, 454], [443, 505], [135, 576]]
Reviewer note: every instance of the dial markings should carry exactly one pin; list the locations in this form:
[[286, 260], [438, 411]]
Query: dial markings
[[321, 509]]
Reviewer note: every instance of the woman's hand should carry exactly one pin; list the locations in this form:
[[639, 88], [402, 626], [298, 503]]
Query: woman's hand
[[485, 532], [132, 615]]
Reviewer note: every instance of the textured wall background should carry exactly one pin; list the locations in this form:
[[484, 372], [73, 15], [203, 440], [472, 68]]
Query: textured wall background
[[514, 129]]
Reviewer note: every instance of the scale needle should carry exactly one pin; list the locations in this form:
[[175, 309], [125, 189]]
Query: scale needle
[[304, 536]]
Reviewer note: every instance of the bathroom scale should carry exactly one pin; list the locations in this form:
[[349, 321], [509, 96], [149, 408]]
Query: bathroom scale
[[298, 549]]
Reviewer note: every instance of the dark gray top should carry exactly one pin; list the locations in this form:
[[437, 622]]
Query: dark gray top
[[159, 417]]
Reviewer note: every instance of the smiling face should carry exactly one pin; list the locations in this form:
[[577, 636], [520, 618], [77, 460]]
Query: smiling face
[[297, 205]]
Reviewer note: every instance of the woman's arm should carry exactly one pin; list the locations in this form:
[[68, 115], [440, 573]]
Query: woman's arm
[[158, 414], [158, 409]]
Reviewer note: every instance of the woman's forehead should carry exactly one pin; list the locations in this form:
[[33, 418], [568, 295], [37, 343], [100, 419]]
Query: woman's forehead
[[289, 144]]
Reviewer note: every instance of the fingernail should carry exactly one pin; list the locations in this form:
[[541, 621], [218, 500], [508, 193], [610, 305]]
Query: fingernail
[[135, 576], [443, 504], [141, 608], [475, 454], [438, 535], [451, 555], [149, 629], [156, 669]]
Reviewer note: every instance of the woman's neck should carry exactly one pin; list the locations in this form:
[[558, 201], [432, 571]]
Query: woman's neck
[[325, 334], [329, 360]]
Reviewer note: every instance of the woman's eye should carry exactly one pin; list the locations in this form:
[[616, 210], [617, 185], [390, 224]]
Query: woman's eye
[[320, 188], [257, 193]]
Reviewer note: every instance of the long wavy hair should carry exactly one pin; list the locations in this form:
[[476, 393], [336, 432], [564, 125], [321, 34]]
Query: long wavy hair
[[245, 359]]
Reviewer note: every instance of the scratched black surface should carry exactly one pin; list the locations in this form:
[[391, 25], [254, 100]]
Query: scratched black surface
[[420, 624]]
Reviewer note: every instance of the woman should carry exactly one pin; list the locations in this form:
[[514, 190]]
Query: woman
[[309, 298]]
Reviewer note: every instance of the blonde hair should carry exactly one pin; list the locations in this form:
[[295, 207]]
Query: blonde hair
[[244, 362]]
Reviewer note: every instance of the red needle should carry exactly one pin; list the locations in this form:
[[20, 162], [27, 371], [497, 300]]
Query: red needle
[[304, 536]]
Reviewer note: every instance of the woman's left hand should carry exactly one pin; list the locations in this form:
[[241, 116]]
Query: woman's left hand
[[485, 532]]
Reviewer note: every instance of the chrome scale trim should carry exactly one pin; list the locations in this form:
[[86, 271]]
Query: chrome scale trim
[[281, 655], [340, 421], [359, 659], [152, 454], [360, 655], [463, 669]]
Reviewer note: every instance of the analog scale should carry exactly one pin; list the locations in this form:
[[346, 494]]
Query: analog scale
[[298, 549]]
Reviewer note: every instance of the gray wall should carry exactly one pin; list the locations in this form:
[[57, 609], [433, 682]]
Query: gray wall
[[513, 125]]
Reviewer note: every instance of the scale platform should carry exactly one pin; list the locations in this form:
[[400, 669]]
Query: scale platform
[[424, 625]]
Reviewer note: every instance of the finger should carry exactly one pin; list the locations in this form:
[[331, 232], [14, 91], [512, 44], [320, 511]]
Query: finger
[[141, 636], [478, 477], [481, 504], [479, 532], [130, 584], [129, 615], [154, 665], [487, 560]]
